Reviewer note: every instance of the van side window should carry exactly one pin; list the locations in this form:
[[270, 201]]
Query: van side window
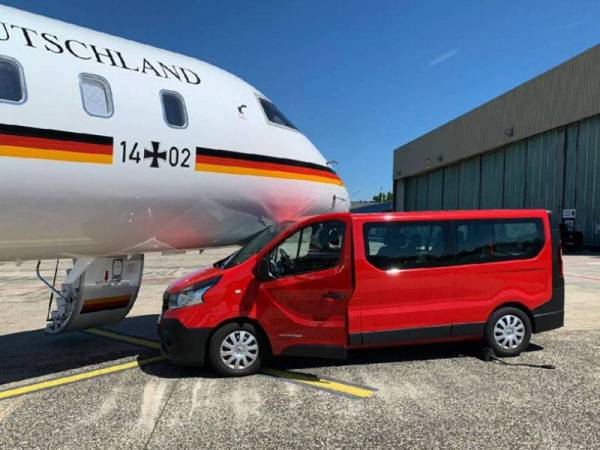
[[481, 241], [315, 247], [407, 245], [174, 110], [96, 96], [12, 81], [274, 115]]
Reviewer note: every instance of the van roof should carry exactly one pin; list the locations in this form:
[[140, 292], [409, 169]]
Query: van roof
[[431, 215], [455, 214]]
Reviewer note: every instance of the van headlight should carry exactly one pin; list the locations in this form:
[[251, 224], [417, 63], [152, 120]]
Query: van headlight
[[193, 295]]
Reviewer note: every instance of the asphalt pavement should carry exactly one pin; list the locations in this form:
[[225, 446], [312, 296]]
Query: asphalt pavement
[[416, 397]]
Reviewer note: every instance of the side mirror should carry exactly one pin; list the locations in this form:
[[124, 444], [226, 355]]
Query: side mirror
[[261, 271]]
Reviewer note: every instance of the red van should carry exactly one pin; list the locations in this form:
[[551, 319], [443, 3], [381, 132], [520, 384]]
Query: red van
[[331, 283]]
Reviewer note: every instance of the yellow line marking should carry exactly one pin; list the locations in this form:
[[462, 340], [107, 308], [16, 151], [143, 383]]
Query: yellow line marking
[[77, 377], [54, 155], [265, 173], [308, 380], [322, 383], [125, 338]]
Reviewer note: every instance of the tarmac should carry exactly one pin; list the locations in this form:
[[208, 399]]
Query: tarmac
[[101, 389]]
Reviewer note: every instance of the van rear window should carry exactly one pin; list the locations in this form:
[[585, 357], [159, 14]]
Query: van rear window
[[409, 245], [403, 245], [481, 241]]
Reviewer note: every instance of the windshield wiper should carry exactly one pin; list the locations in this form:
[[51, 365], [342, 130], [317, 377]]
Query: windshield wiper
[[222, 263]]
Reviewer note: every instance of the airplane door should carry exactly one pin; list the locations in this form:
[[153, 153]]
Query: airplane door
[[304, 307], [96, 292]]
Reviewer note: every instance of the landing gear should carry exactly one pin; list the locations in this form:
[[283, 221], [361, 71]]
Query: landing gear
[[96, 292]]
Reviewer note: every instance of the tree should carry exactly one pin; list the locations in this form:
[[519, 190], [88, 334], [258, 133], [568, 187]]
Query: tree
[[383, 197]]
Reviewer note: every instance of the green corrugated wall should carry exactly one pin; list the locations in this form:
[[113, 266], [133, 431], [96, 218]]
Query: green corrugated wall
[[515, 160], [558, 169], [410, 194], [545, 170], [450, 194], [587, 191], [571, 167], [422, 192], [492, 176], [434, 189], [469, 176]]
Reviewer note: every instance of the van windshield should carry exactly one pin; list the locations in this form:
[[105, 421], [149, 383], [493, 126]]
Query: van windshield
[[256, 244]]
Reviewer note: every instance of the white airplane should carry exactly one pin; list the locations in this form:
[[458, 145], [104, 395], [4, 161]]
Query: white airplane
[[110, 149]]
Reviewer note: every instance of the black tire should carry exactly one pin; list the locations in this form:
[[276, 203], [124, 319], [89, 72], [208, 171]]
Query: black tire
[[217, 342], [510, 343]]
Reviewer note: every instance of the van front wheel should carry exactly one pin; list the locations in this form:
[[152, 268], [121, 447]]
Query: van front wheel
[[508, 331], [235, 350]]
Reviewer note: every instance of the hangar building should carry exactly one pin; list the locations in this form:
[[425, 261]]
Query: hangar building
[[536, 146]]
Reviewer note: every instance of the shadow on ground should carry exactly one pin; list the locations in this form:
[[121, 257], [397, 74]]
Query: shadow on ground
[[357, 357], [32, 354]]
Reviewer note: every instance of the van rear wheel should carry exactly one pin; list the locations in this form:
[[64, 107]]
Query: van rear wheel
[[508, 331], [235, 350]]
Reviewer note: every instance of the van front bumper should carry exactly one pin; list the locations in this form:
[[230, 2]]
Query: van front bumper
[[181, 345]]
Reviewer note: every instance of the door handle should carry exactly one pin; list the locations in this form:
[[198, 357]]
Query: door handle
[[332, 295]]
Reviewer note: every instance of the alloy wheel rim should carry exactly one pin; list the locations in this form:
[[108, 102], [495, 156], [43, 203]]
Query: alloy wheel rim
[[509, 332], [239, 350]]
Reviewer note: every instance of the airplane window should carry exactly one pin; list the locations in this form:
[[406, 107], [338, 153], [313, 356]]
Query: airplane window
[[95, 95], [12, 87], [274, 115], [174, 109]]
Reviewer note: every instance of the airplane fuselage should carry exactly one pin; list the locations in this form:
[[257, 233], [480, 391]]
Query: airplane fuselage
[[74, 184]]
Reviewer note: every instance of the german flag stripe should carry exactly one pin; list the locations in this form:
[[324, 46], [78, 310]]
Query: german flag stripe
[[264, 166], [51, 144], [236, 163], [18, 130], [54, 145], [105, 304]]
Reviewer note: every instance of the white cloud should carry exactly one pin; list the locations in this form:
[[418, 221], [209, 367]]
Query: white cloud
[[575, 24], [443, 57]]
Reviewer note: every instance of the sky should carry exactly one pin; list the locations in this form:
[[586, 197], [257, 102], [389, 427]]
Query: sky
[[359, 78]]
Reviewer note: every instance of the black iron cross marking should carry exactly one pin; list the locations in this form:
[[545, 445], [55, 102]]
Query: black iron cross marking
[[155, 154]]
